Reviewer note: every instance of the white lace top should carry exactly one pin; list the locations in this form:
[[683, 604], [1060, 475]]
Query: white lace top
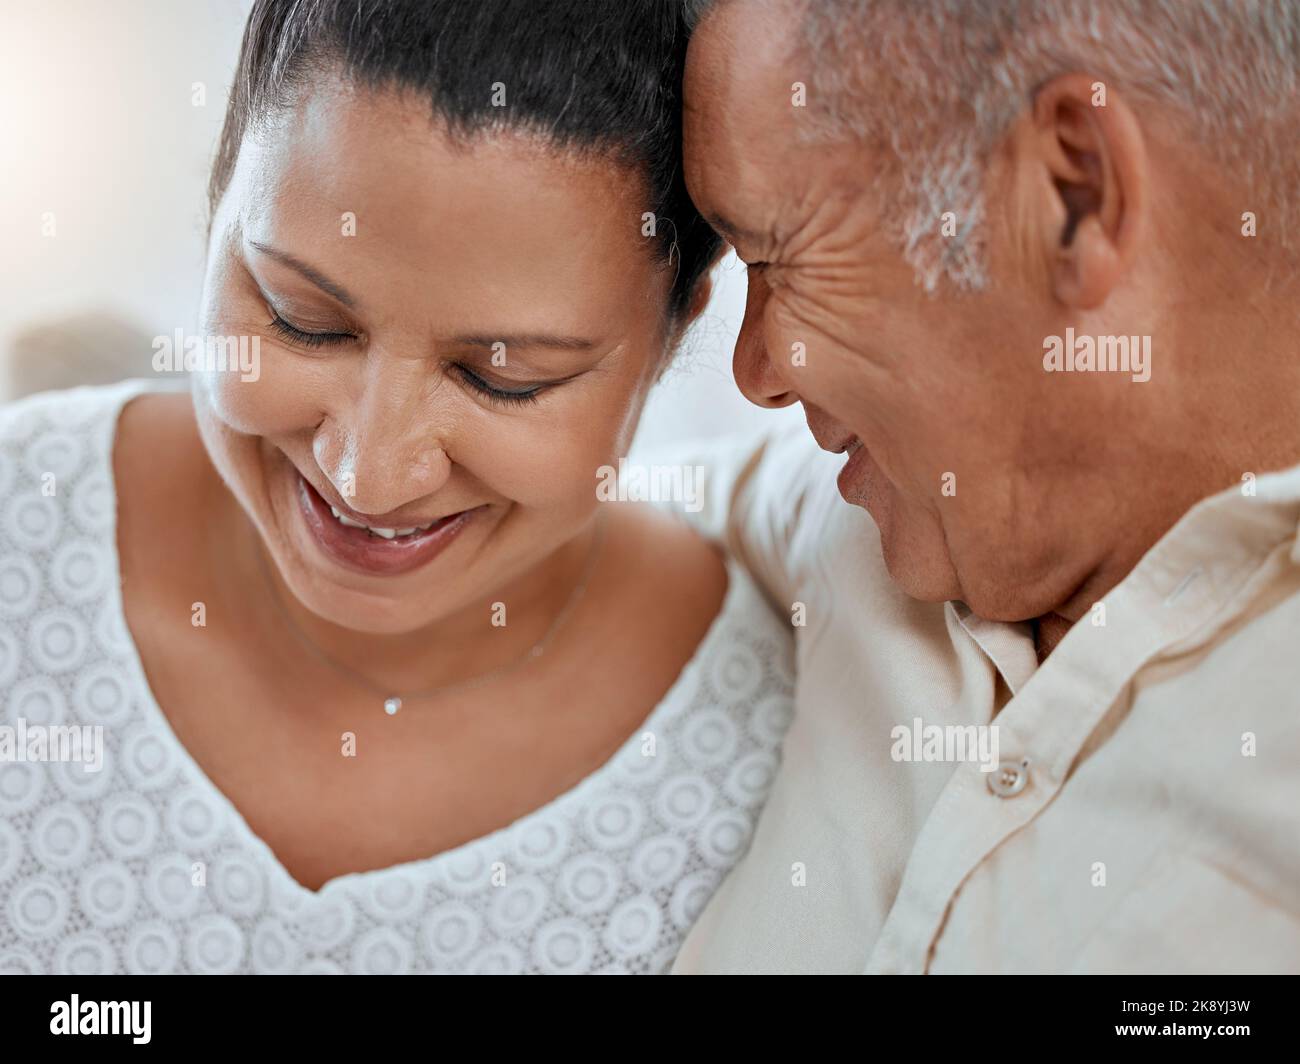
[[144, 866]]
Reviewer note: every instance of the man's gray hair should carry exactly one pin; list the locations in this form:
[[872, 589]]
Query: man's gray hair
[[936, 84]]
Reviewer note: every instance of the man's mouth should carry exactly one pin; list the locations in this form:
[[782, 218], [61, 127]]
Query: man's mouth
[[832, 444], [853, 477]]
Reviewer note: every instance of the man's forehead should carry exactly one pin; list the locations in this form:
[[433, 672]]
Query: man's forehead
[[739, 125], [743, 47]]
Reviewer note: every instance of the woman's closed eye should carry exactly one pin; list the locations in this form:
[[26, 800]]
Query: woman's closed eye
[[490, 391], [304, 337], [296, 334]]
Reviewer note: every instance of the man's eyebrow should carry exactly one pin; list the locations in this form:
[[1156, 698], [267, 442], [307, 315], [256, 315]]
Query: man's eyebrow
[[314, 276], [734, 233], [526, 340]]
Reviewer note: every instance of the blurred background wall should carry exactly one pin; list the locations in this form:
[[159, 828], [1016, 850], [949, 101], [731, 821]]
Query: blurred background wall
[[109, 114]]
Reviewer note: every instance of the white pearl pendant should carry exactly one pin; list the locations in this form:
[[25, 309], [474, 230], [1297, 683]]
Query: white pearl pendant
[[392, 705]]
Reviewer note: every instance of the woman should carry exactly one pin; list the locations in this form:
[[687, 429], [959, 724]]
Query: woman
[[385, 688]]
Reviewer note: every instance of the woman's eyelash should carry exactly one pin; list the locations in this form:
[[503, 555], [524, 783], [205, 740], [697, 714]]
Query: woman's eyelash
[[306, 339], [312, 339], [497, 395]]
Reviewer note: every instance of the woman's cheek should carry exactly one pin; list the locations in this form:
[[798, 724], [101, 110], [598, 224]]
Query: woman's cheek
[[280, 398], [545, 460], [241, 406], [266, 400]]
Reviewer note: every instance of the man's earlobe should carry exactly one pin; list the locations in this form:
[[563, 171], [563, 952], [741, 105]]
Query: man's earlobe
[[1085, 271], [1095, 156]]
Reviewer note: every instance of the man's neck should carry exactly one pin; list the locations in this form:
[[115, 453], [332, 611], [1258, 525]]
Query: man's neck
[[1049, 630]]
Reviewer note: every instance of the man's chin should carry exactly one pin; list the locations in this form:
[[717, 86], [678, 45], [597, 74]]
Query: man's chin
[[921, 579], [914, 551], [918, 566]]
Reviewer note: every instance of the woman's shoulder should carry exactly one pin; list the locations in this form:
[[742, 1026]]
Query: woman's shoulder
[[668, 558], [742, 647], [55, 479], [58, 512], [675, 558], [72, 409], [50, 438]]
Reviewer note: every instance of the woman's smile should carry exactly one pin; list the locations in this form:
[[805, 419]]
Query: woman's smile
[[373, 548]]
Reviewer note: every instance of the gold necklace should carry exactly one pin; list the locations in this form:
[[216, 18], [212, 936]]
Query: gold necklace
[[392, 701]]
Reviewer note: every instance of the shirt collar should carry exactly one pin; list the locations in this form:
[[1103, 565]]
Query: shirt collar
[[1236, 525]]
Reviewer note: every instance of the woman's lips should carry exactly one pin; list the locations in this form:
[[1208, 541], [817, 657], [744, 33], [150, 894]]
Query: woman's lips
[[358, 549]]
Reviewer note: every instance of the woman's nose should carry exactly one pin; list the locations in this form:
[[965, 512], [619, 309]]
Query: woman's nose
[[386, 451], [755, 375]]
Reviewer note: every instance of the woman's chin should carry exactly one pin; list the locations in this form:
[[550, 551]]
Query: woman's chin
[[362, 612]]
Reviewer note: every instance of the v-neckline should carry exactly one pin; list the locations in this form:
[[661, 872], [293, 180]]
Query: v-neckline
[[154, 716]]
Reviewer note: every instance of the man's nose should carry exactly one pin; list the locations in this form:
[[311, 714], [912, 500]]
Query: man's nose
[[755, 375], [388, 448]]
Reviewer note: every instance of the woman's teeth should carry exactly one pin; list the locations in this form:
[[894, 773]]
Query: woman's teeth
[[386, 533]]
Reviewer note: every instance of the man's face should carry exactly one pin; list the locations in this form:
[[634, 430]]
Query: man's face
[[974, 462]]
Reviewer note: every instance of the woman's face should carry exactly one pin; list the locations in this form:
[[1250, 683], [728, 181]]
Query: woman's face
[[452, 337]]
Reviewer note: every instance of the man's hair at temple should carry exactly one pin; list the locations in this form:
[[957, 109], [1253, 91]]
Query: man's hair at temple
[[940, 81]]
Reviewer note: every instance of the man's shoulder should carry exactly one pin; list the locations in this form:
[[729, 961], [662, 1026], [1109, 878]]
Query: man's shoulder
[[781, 474], [771, 497]]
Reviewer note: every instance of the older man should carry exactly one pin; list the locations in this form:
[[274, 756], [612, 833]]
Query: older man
[[1033, 268]]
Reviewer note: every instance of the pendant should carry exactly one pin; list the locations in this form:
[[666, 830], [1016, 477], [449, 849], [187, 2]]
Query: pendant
[[392, 705]]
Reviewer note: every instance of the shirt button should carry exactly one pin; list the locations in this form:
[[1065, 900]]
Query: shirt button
[[1009, 778]]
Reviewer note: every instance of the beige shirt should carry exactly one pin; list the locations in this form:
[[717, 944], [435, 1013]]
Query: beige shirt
[[1146, 813]]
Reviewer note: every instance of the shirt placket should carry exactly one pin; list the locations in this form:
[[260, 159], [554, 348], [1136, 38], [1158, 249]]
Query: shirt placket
[[1168, 597]]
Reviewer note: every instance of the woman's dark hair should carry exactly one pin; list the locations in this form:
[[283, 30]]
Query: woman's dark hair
[[592, 76]]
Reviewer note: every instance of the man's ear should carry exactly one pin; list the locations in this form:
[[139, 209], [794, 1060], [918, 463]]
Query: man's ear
[[1095, 158]]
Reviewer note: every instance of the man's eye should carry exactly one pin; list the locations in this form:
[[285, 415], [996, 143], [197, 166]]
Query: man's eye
[[497, 395], [302, 337]]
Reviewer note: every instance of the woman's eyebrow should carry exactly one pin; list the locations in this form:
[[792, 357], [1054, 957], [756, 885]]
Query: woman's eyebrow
[[314, 276], [527, 340]]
